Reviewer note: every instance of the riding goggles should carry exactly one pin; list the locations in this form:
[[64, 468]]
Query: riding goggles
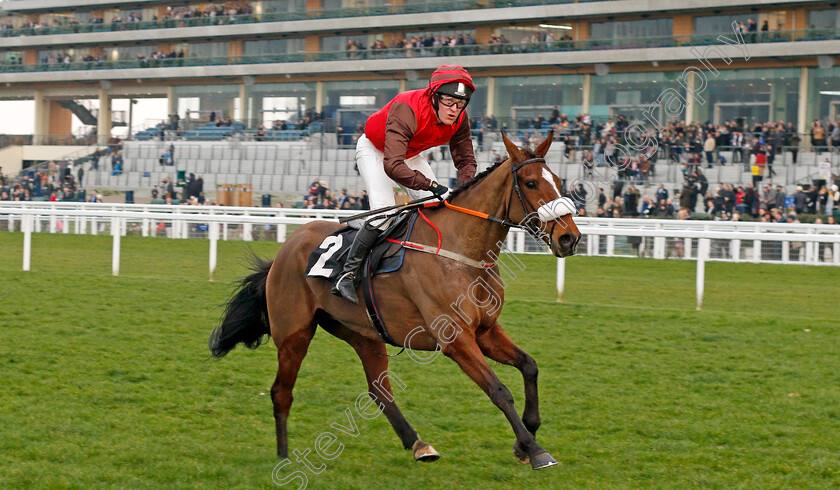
[[449, 101]]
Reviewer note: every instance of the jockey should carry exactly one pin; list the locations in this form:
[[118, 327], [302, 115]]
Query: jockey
[[390, 152]]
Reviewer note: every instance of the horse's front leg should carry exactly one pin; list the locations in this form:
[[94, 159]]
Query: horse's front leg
[[465, 351], [496, 345]]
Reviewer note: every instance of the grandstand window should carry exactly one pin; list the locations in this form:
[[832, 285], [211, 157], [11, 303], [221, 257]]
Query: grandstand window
[[281, 109], [523, 98], [343, 4], [377, 93], [630, 94], [64, 18], [191, 104], [824, 19], [207, 50], [357, 101], [274, 46], [136, 15], [631, 29], [331, 44], [717, 24], [134, 52], [11, 58], [445, 33], [221, 99], [516, 34], [271, 6], [281, 101], [825, 90], [62, 55], [769, 94]]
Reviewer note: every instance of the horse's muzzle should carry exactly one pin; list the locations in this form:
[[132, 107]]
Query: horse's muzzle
[[567, 243]]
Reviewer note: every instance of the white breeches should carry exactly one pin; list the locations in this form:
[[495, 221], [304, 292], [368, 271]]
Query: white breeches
[[379, 186]]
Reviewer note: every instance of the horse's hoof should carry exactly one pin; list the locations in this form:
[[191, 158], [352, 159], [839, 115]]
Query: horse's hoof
[[424, 452], [521, 455], [542, 460]]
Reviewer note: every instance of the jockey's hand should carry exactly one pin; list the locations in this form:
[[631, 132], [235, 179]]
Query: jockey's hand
[[438, 190]]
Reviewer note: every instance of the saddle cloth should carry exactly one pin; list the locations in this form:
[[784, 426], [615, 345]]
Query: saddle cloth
[[327, 260]]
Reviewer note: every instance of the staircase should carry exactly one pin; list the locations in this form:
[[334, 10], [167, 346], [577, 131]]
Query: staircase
[[83, 113]]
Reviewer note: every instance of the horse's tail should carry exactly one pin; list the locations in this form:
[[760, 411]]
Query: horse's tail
[[246, 314]]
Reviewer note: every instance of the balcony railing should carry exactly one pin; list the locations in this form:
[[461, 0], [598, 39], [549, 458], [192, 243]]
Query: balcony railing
[[275, 17], [440, 51]]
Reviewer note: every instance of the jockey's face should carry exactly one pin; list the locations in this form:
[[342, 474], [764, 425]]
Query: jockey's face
[[448, 114]]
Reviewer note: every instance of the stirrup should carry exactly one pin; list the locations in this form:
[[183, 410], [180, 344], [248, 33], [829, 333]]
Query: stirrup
[[345, 290]]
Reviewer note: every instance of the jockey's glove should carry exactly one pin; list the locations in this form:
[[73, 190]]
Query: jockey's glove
[[437, 189]]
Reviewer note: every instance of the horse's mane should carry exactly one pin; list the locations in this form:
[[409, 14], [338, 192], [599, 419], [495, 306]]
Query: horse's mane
[[485, 173]]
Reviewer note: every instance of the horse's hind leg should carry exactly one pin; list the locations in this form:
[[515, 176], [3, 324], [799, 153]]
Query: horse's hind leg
[[496, 345], [375, 362], [290, 354]]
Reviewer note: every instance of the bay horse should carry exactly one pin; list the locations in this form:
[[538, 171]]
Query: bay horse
[[277, 299]]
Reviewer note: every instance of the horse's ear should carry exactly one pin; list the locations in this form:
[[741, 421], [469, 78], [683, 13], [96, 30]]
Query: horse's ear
[[545, 145], [512, 149]]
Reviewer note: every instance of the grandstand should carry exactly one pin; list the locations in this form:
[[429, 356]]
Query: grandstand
[[323, 65]]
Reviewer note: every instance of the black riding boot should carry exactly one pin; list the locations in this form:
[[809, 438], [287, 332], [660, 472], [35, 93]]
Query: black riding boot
[[346, 284]]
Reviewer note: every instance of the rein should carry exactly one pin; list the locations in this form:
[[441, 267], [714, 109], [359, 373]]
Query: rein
[[495, 219]]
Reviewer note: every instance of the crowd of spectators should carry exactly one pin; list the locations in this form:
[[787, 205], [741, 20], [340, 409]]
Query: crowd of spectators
[[56, 183], [728, 202], [220, 13], [320, 196], [451, 45]]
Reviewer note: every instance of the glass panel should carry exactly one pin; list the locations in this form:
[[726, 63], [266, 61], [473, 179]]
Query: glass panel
[[629, 94], [271, 6], [824, 19], [824, 89], [134, 52], [377, 93], [755, 90], [274, 46], [718, 24], [207, 50], [218, 99], [521, 99], [631, 29], [534, 34], [359, 42]]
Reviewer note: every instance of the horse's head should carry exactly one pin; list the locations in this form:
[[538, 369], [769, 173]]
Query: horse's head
[[536, 202]]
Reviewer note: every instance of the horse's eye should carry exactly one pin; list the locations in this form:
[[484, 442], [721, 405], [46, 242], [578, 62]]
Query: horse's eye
[[531, 184]]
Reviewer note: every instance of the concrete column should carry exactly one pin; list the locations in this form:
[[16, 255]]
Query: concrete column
[[402, 86], [60, 120], [42, 117], [491, 96], [802, 124], [171, 103], [319, 96], [244, 115], [587, 93], [689, 99], [103, 127]]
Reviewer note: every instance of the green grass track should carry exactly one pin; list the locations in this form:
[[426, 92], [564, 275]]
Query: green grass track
[[106, 380]]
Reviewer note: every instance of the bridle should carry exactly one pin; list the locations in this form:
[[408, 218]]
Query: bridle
[[528, 209]]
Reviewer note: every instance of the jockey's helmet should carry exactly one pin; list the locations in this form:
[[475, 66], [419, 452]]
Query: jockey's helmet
[[452, 80]]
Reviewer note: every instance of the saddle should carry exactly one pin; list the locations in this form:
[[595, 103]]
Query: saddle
[[386, 255], [327, 260]]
